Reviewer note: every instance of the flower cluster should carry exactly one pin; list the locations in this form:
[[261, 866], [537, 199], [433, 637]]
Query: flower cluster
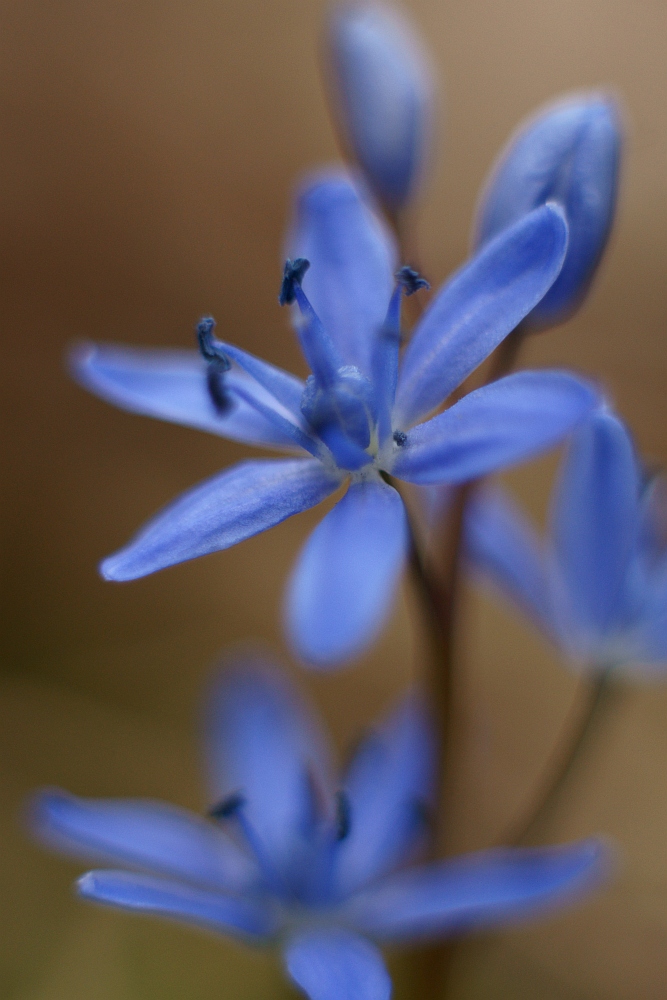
[[598, 587], [289, 856], [359, 417], [328, 869]]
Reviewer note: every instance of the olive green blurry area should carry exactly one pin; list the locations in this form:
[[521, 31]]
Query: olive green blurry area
[[147, 155]]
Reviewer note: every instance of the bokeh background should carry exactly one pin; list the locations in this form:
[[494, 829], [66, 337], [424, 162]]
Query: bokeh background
[[148, 151]]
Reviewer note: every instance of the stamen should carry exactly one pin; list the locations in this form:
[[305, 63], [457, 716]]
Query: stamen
[[343, 816], [292, 277], [411, 280], [316, 344], [400, 437], [218, 363], [228, 807], [233, 807], [211, 348]]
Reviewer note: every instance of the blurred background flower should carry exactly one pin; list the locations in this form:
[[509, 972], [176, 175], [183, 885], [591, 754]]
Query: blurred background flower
[[141, 146]]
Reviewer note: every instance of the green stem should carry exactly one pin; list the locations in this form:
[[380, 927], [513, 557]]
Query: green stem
[[578, 730]]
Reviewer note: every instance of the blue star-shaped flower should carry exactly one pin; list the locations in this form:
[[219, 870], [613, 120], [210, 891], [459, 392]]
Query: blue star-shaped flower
[[598, 586], [285, 860], [359, 415]]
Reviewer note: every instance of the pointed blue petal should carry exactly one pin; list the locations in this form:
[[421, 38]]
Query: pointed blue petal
[[141, 834], [384, 97], [596, 521], [333, 964], [346, 575], [496, 426], [388, 788], [243, 918], [264, 744], [484, 301], [500, 541], [484, 889], [352, 262], [171, 385], [236, 504], [568, 152]]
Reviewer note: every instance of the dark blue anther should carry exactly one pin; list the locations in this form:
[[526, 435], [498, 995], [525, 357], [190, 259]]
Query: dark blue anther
[[411, 280], [218, 363], [343, 816], [400, 437], [228, 807], [292, 276], [210, 348]]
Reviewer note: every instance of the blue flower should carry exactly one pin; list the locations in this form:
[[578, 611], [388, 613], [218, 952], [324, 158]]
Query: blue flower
[[358, 417], [569, 152], [597, 587], [383, 97], [285, 860]]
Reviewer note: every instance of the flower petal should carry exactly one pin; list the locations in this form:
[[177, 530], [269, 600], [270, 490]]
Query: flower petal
[[568, 151], [388, 788], [352, 260], [498, 425], [346, 574], [171, 385], [334, 964], [501, 542], [484, 301], [234, 505], [141, 834], [384, 98], [264, 744], [596, 521], [482, 889], [243, 918]]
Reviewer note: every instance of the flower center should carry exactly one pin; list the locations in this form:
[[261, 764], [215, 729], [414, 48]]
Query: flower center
[[344, 415]]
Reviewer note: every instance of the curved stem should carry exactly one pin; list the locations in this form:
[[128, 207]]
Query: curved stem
[[579, 727]]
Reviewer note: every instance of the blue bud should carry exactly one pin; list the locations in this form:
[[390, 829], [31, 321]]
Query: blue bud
[[569, 152], [383, 97]]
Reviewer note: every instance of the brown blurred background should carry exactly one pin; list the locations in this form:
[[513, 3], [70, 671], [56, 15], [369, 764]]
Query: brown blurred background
[[148, 151]]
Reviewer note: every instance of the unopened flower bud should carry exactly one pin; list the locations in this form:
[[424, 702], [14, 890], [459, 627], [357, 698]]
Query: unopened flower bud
[[569, 152], [382, 97]]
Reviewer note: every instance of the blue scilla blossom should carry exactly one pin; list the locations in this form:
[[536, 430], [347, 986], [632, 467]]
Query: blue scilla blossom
[[284, 858], [569, 152], [597, 586], [382, 96], [360, 415]]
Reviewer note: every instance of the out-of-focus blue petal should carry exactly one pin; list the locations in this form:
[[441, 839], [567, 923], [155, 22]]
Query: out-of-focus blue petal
[[237, 503], [498, 425], [142, 834], [158, 897], [568, 152], [483, 889], [171, 385], [345, 577], [595, 521], [484, 301], [388, 790], [263, 744], [352, 262], [383, 97], [333, 964], [503, 544]]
